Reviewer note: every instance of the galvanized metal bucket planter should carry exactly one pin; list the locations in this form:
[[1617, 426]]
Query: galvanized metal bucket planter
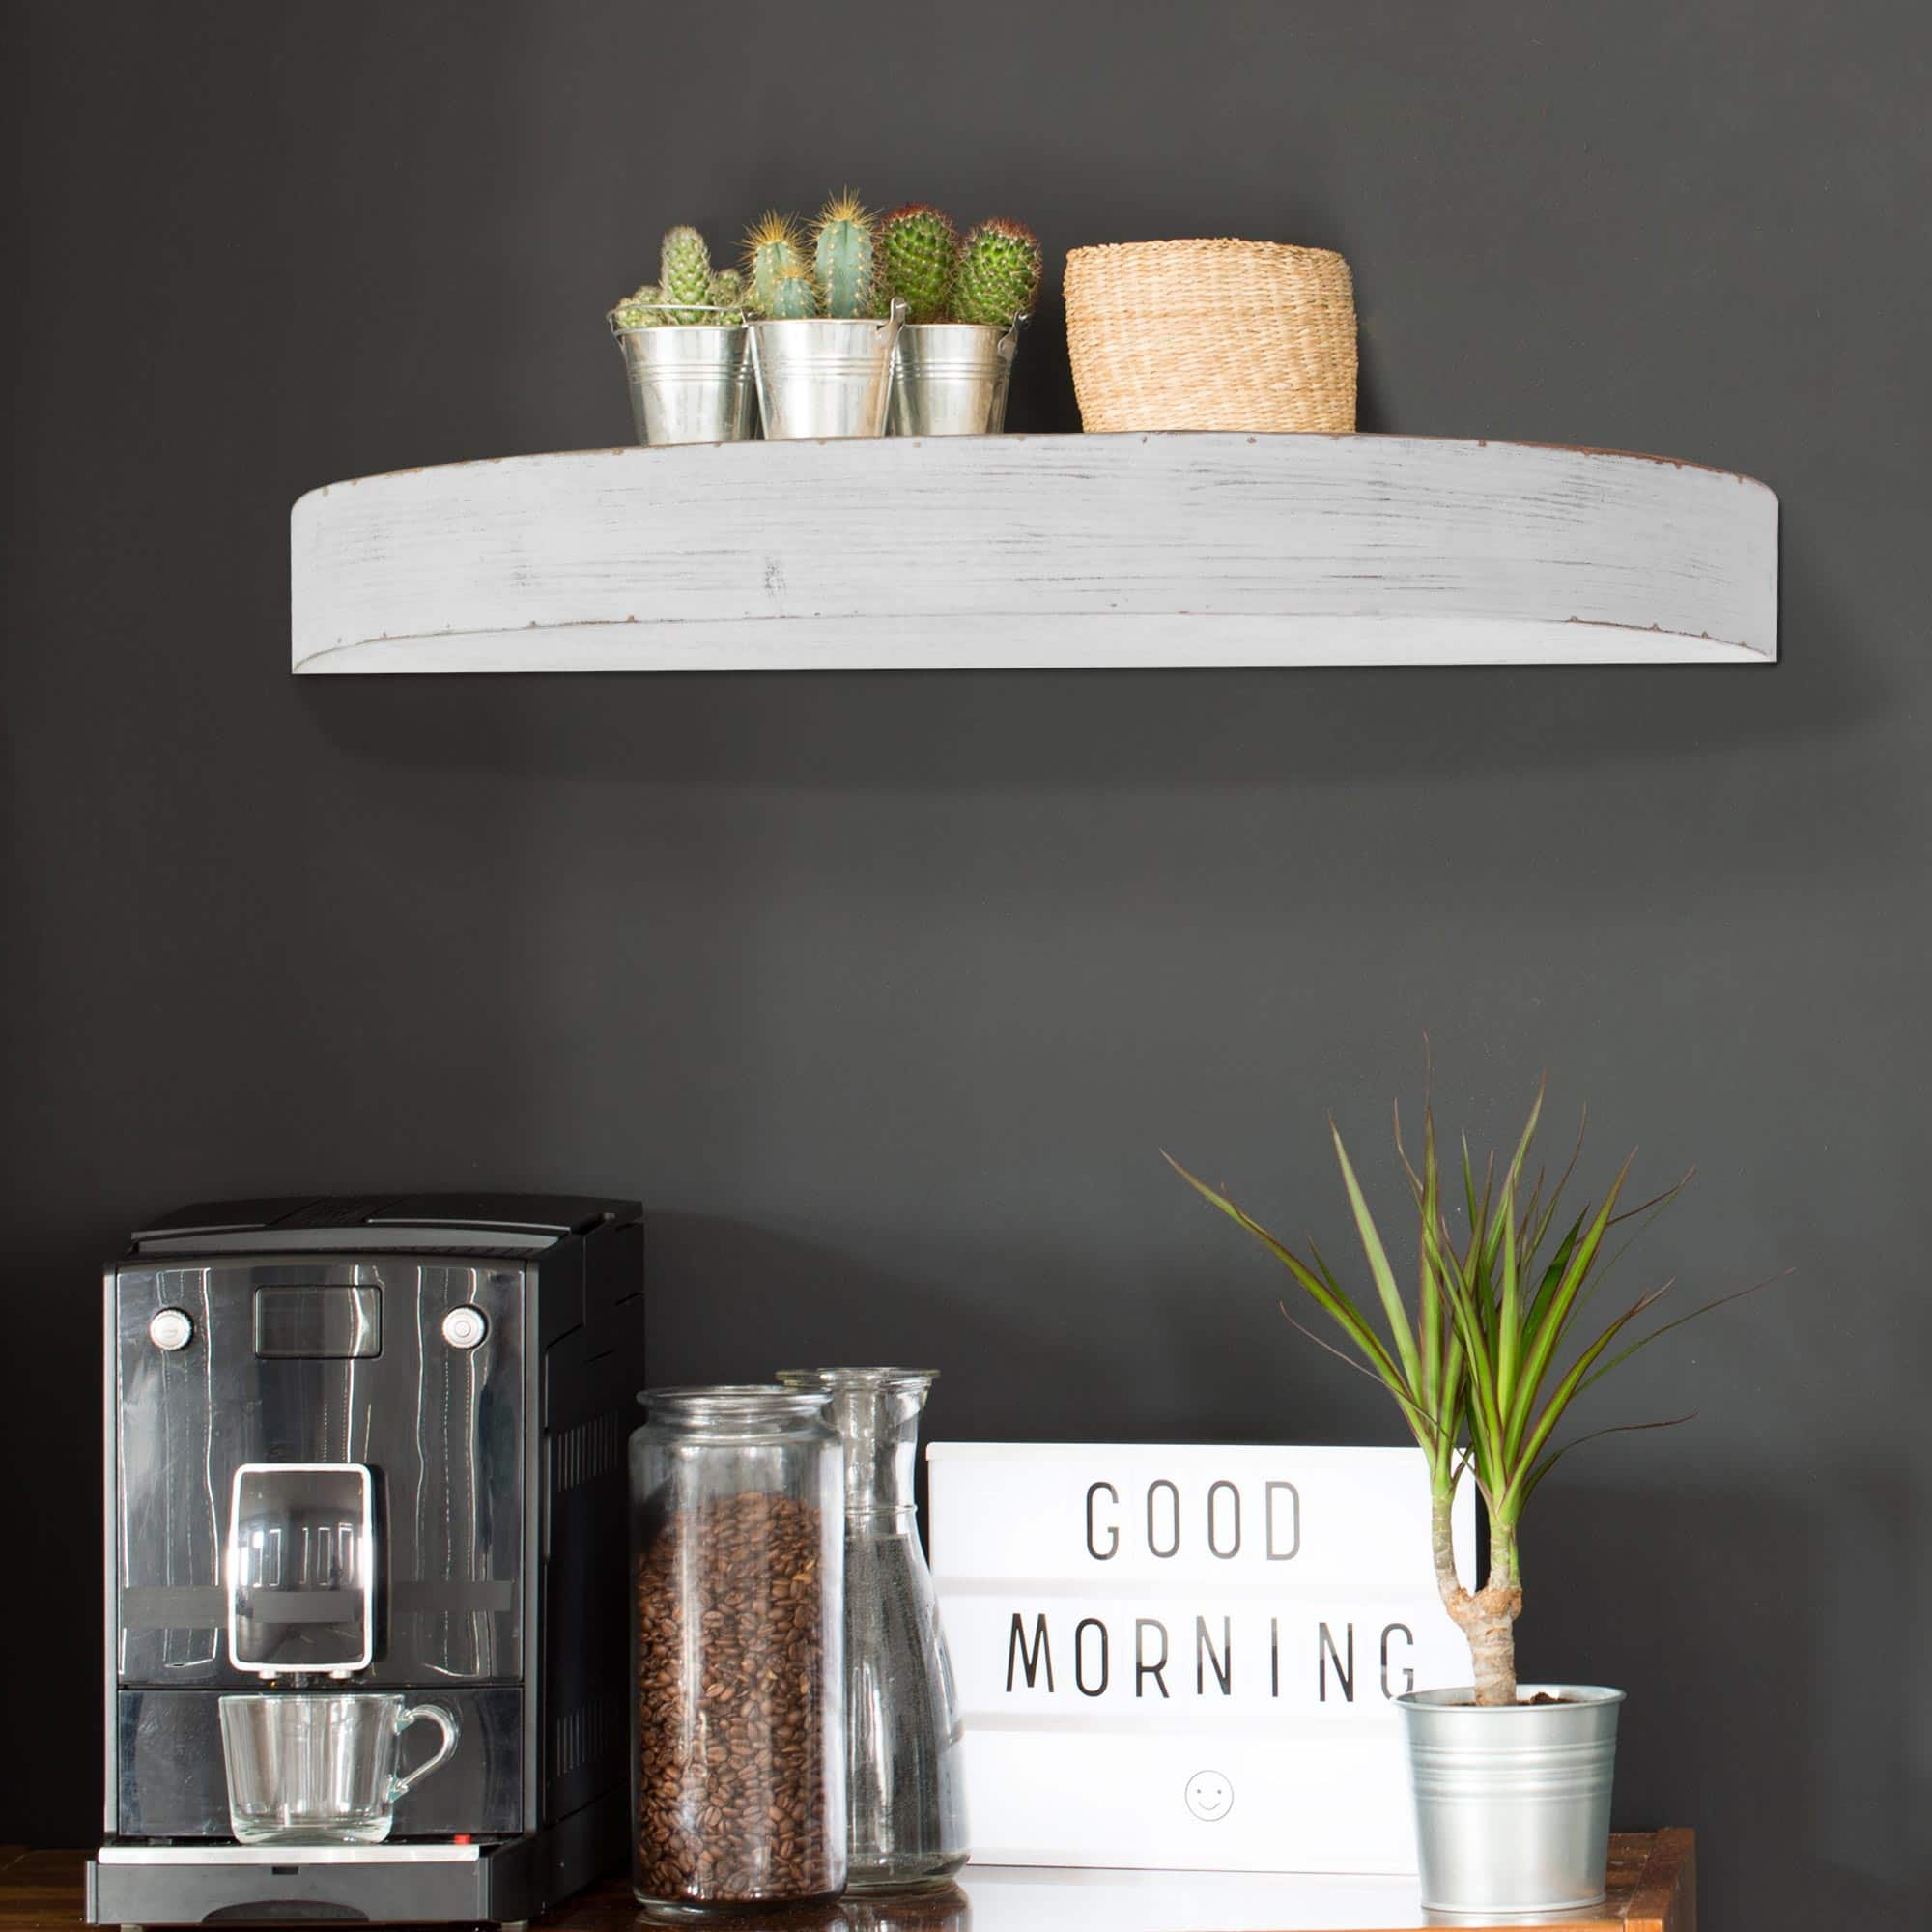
[[950, 378], [690, 383], [824, 377], [1512, 1801]]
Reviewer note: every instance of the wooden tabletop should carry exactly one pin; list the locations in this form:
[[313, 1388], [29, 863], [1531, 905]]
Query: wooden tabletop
[[1653, 1889]]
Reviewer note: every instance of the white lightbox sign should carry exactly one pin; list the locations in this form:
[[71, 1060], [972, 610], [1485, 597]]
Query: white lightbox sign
[[1183, 1657]]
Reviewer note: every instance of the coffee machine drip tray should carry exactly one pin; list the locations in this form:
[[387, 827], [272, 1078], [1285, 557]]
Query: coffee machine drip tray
[[422, 1884], [288, 1855]]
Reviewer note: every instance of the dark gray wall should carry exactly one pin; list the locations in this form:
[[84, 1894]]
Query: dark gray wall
[[883, 991]]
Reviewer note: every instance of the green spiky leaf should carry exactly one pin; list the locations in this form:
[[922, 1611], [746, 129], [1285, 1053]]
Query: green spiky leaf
[[1488, 1365]]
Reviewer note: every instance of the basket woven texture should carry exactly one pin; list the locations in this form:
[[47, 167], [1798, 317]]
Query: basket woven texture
[[1244, 335]]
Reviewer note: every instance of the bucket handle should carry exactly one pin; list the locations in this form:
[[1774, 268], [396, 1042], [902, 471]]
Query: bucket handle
[[1008, 346]]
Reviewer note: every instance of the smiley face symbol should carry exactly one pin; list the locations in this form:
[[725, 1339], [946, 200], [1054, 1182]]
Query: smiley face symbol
[[1209, 1796]]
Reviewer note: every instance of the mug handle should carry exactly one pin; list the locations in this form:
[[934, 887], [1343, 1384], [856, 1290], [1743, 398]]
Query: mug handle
[[445, 1721]]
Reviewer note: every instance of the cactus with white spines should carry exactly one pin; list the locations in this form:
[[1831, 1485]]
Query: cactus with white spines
[[843, 256], [772, 252], [921, 247], [688, 292], [794, 298], [726, 298], [642, 308], [684, 274], [852, 266], [998, 274]]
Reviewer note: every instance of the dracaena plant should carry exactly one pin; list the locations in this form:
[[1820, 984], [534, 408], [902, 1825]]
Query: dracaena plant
[[1500, 1341]]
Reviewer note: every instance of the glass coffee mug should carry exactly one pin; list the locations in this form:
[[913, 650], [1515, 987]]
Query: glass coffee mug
[[314, 1770]]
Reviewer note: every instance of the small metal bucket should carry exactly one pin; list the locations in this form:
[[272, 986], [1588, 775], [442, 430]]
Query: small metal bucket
[[950, 378], [690, 383], [1512, 1801], [824, 377]]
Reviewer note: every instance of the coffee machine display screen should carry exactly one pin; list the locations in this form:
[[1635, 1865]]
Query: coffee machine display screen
[[301, 1568], [296, 1322]]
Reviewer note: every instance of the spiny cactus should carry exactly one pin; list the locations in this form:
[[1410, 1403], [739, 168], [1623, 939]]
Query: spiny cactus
[[843, 256], [922, 258], [794, 298], [771, 251], [684, 274], [998, 274], [687, 291], [726, 298], [639, 309]]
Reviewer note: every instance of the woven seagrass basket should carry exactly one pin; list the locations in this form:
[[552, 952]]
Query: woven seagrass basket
[[1245, 335]]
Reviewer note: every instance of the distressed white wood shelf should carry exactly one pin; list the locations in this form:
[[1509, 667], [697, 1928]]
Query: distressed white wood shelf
[[1015, 551]]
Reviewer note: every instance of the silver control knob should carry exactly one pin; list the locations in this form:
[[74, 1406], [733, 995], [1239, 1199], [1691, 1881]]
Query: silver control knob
[[466, 1326], [171, 1329]]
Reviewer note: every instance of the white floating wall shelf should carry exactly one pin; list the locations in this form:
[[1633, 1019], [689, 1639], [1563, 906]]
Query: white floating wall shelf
[[1015, 551]]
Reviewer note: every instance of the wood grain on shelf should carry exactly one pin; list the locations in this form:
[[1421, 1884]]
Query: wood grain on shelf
[[1653, 1889], [1024, 552]]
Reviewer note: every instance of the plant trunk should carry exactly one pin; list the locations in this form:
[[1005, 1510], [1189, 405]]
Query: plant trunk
[[1486, 1617], [1492, 1634]]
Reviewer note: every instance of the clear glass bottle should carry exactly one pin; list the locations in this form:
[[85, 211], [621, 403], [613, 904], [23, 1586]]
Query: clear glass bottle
[[936, 1908], [905, 1785], [737, 1651]]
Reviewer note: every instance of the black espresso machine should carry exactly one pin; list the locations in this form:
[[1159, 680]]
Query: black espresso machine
[[358, 1450]]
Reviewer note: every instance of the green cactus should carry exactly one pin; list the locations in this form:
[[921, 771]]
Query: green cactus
[[684, 273], [843, 256], [771, 252], [639, 309], [922, 258], [689, 292], [794, 298], [726, 298], [998, 274]]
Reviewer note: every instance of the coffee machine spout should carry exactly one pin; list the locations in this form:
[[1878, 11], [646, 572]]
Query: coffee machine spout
[[301, 1569]]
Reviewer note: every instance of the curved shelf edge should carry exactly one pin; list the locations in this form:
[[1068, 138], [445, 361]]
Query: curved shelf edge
[[1078, 643], [1003, 553]]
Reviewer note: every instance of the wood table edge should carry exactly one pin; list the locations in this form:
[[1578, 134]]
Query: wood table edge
[[1663, 1899]]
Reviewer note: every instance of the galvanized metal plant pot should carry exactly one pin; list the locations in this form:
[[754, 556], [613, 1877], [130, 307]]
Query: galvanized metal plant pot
[[1512, 1801], [690, 383], [825, 376], [950, 378]]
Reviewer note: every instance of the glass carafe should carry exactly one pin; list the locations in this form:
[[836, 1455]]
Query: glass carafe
[[906, 1797]]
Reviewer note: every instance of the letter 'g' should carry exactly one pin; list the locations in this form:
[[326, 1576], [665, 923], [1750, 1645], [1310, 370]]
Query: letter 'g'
[[1093, 1550]]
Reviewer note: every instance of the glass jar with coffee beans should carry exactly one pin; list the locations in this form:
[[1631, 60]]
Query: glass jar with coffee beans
[[738, 1713]]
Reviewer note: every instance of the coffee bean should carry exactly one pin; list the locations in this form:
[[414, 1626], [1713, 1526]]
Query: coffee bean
[[732, 1769]]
